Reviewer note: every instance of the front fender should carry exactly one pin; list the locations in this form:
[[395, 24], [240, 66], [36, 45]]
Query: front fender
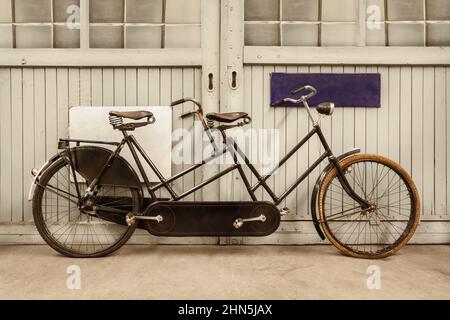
[[316, 191]]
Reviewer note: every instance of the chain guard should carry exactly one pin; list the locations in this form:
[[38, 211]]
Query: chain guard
[[182, 219]]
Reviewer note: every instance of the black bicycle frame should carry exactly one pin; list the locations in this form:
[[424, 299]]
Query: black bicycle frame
[[235, 152]]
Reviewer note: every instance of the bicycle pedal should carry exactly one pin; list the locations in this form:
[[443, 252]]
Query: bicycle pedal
[[239, 222], [131, 218], [284, 211]]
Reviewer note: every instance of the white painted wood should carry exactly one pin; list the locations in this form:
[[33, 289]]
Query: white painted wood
[[28, 145], [348, 55], [231, 98], [6, 159], [440, 125], [210, 12], [428, 142], [100, 57], [412, 99], [84, 24]]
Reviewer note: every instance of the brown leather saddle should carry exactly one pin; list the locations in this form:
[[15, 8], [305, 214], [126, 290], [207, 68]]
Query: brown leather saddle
[[226, 117], [135, 115]]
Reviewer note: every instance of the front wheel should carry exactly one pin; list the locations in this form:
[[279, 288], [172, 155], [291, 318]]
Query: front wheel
[[394, 212]]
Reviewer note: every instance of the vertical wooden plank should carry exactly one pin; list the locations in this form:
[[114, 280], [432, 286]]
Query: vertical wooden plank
[[440, 142], [428, 138], [39, 119], [51, 112], [130, 87], [303, 191], [142, 87], [337, 122], [107, 86], [17, 143], [210, 11], [447, 103], [326, 122], [62, 85], [165, 94], [417, 141], [292, 138], [180, 139], [266, 143], [360, 121], [314, 148], [85, 87], [280, 141], [39, 130], [198, 174], [97, 86], [154, 97], [257, 80], [187, 82], [119, 87], [383, 114], [28, 136], [247, 107], [349, 121], [405, 117], [372, 123], [6, 159], [394, 113]]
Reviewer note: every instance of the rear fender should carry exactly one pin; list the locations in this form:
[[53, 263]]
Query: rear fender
[[89, 160], [316, 190]]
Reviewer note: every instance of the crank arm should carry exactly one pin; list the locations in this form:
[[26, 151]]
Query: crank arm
[[131, 218], [239, 222]]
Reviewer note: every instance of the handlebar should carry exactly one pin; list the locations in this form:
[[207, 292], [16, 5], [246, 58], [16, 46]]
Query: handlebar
[[177, 102], [313, 92], [198, 112]]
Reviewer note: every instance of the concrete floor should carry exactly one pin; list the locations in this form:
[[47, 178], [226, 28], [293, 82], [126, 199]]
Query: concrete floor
[[224, 272]]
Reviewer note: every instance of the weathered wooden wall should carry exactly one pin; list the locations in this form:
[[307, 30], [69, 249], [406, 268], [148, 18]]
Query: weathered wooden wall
[[411, 127]]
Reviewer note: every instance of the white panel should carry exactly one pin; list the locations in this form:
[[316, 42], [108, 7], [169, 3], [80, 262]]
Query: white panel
[[33, 37], [262, 34], [438, 10], [339, 34], [342, 10], [106, 11], [408, 10], [257, 10], [5, 36], [300, 10], [33, 10], [300, 34], [144, 11], [182, 11], [183, 36], [92, 123], [5, 12]]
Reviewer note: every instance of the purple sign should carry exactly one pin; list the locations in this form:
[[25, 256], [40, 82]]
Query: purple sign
[[344, 89]]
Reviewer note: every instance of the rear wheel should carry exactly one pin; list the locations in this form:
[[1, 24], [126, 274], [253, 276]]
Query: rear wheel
[[387, 225], [73, 231]]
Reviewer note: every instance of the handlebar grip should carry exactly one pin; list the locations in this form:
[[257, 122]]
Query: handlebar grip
[[187, 114], [176, 102], [277, 103], [307, 87]]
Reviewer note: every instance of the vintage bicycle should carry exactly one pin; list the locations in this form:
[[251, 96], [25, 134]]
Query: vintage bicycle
[[88, 200]]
